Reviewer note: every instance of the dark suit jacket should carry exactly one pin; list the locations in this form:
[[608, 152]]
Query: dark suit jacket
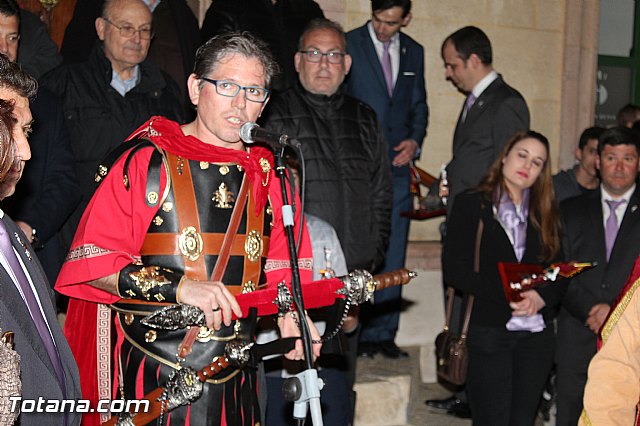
[[48, 192], [496, 115], [403, 116], [37, 373], [583, 240], [490, 308]]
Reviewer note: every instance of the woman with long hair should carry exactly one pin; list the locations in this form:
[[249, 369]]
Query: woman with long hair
[[513, 216]]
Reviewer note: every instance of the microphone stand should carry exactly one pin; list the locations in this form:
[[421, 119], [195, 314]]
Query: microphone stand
[[303, 388]]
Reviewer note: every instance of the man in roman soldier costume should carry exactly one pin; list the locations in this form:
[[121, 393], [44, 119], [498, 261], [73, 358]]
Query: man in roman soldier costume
[[183, 215]]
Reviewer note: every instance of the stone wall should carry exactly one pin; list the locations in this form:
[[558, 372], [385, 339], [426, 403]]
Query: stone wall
[[547, 49]]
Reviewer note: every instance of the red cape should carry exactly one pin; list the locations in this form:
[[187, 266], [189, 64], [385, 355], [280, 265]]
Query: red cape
[[114, 225]]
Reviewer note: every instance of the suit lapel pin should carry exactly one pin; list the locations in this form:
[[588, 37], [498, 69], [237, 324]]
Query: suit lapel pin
[[634, 208], [24, 246], [404, 50]]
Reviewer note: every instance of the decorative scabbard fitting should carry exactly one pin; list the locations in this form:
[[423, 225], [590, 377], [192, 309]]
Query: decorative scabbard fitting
[[150, 283]]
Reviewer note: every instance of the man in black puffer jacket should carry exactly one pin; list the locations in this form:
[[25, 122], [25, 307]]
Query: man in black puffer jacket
[[348, 178]]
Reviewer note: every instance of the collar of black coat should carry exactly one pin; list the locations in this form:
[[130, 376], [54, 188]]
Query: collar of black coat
[[151, 77], [321, 101]]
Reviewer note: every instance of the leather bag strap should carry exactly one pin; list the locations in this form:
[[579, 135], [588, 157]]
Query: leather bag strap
[[476, 269]]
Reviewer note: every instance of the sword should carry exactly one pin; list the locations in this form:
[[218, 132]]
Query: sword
[[358, 287]]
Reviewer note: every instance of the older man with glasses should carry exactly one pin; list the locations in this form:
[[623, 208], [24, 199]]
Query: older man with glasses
[[348, 179], [112, 93]]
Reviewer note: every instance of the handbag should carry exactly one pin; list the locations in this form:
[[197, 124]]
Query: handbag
[[451, 349]]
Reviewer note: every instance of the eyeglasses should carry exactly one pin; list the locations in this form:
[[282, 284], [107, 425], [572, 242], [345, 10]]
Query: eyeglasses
[[231, 90], [128, 31], [315, 56]]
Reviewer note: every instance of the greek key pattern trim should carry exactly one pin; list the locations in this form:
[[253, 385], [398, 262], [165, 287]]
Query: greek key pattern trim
[[103, 354], [273, 265], [86, 251]]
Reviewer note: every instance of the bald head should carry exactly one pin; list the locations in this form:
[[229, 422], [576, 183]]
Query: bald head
[[125, 30]]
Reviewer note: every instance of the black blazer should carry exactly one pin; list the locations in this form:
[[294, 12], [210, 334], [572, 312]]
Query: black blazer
[[496, 115], [37, 373], [583, 240], [490, 306]]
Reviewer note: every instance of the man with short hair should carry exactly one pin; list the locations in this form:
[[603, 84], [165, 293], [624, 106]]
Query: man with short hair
[[27, 310], [388, 74], [491, 113], [154, 232], [111, 94], [583, 177], [48, 190], [601, 226], [347, 180]]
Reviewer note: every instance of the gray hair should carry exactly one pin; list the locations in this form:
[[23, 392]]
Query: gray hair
[[323, 24], [210, 54]]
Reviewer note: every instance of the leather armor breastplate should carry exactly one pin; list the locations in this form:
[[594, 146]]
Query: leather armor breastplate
[[185, 236]]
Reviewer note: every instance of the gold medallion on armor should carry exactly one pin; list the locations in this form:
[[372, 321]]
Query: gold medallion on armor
[[204, 165], [224, 170], [167, 207], [223, 197], [101, 173], [128, 319], [190, 243], [150, 336], [152, 197], [253, 246], [158, 220], [248, 287], [266, 169]]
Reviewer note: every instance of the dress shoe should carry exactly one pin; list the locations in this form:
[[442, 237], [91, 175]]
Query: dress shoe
[[389, 349], [443, 404], [460, 410], [367, 349]]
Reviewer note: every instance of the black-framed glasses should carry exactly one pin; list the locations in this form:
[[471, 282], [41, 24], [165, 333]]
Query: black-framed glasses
[[231, 90], [315, 56], [128, 31]]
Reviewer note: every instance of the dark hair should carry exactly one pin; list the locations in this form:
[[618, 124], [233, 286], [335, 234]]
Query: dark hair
[[377, 5], [470, 40], [627, 115], [7, 146], [12, 77], [210, 54], [9, 8], [619, 135], [323, 24], [588, 134], [543, 209]]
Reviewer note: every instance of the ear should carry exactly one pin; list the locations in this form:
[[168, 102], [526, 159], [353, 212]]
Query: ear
[[597, 162], [193, 86], [578, 154], [474, 61], [406, 19], [296, 61], [100, 27], [347, 63]]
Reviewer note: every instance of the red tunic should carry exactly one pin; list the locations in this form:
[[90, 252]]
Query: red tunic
[[114, 225]]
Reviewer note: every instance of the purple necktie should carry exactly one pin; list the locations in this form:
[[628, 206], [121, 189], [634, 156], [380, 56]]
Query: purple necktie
[[611, 226], [386, 67], [468, 103], [32, 304]]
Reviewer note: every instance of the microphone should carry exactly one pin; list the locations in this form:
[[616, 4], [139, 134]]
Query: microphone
[[250, 133]]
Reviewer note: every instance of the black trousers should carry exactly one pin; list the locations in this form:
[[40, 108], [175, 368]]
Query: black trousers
[[507, 373]]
